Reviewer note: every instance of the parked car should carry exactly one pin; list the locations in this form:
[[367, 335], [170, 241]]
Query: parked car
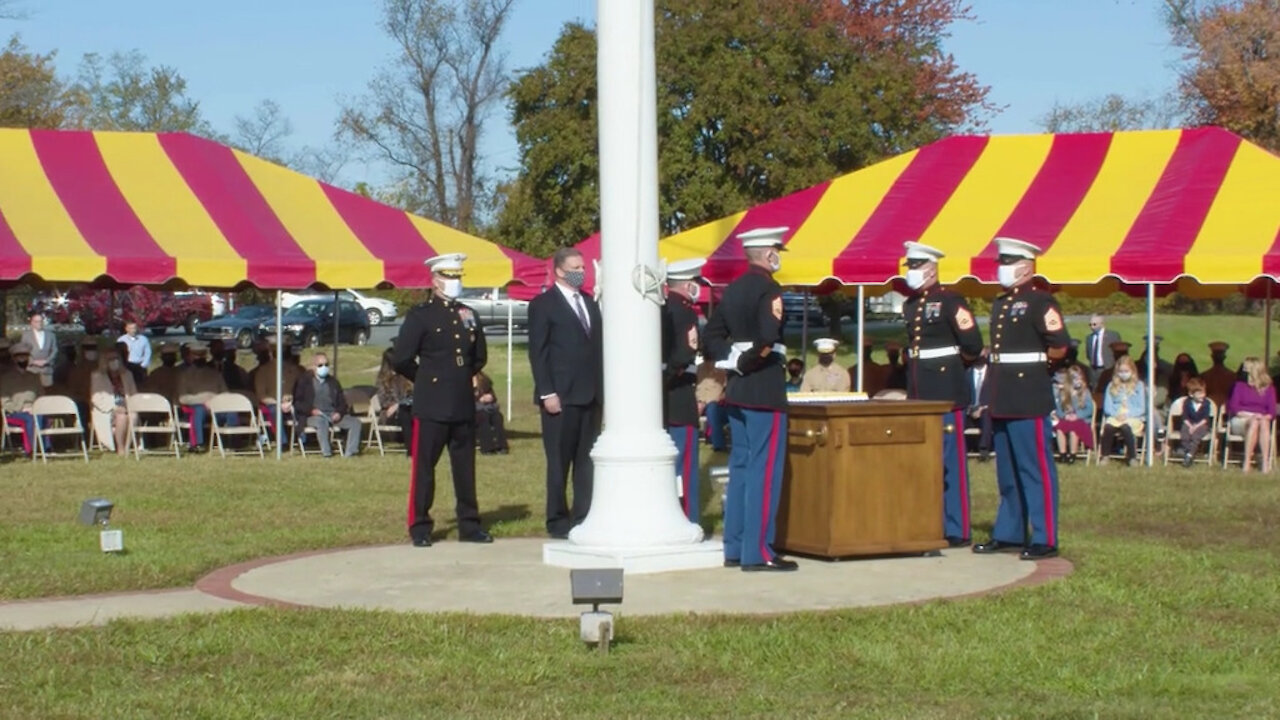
[[378, 310], [153, 310], [491, 306], [793, 310], [242, 326], [310, 323]]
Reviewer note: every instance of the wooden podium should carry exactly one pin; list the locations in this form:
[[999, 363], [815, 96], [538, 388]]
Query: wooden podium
[[863, 478]]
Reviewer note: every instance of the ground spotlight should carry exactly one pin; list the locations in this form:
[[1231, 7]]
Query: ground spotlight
[[595, 587], [97, 511]]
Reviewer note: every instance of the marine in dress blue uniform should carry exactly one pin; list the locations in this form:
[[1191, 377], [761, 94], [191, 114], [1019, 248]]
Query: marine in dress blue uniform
[[680, 342], [441, 347], [1028, 338], [942, 338], [744, 334]]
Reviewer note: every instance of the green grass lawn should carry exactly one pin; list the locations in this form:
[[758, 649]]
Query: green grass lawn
[[1173, 610]]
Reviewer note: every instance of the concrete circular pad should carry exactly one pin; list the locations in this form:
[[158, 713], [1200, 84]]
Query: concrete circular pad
[[509, 578]]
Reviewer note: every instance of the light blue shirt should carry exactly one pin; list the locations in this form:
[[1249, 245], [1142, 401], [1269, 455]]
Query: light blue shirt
[[139, 349]]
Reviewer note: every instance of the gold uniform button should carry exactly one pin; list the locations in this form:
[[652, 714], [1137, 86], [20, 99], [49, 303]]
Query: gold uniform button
[[1019, 374]]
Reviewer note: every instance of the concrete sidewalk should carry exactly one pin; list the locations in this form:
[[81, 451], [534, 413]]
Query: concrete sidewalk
[[509, 578]]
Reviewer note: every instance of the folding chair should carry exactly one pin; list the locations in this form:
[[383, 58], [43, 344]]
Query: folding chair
[[150, 414], [8, 430], [241, 407], [1228, 437], [1173, 429], [301, 429], [360, 399], [379, 425], [57, 416]]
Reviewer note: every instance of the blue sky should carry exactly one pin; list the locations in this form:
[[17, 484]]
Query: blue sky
[[307, 54]]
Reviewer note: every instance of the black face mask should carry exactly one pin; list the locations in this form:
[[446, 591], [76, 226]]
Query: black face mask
[[22, 364], [794, 372], [168, 360], [825, 360]]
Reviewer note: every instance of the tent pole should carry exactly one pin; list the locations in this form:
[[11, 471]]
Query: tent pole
[[279, 375], [1151, 374], [511, 324], [337, 315], [1266, 335], [858, 350], [804, 330]]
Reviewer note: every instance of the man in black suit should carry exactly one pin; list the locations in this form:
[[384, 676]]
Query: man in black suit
[[1097, 346], [567, 356], [440, 348]]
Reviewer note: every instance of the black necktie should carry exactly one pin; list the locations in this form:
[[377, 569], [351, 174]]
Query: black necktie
[[582, 313]]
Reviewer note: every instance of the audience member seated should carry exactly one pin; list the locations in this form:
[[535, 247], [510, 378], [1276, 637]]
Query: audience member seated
[[1124, 402], [164, 379], [264, 384], [197, 385], [19, 388], [1197, 420], [828, 375], [897, 375], [109, 387], [795, 374], [1073, 415], [1184, 368], [491, 432], [395, 395], [318, 397], [710, 394], [1251, 407]]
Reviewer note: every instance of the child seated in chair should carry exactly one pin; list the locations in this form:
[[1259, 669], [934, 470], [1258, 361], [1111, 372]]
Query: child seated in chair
[[1196, 411], [1124, 409]]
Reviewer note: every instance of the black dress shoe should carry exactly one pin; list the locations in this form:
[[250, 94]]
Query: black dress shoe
[[422, 542], [732, 563], [558, 535], [1039, 552], [995, 546], [956, 542], [478, 536], [774, 565]]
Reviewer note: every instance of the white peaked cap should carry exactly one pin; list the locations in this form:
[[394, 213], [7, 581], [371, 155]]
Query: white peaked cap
[[451, 262], [825, 345], [1017, 248], [690, 269], [763, 237], [920, 251]]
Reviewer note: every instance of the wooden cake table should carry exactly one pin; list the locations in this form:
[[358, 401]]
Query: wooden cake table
[[863, 478]]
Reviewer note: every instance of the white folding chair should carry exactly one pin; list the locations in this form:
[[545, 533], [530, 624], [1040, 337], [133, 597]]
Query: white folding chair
[[10, 430], [1228, 437], [150, 414], [360, 399], [57, 416], [242, 409], [1173, 429], [379, 425]]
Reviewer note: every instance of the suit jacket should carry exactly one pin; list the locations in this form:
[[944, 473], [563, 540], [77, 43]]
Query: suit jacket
[[566, 361], [1090, 348], [441, 347], [304, 395], [47, 352]]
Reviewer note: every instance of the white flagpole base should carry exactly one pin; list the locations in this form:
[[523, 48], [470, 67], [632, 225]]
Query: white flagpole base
[[635, 561]]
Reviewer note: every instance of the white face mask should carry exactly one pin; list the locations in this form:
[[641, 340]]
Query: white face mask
[[452, 287], [1124, 374], [1007, 275], [915, 278]]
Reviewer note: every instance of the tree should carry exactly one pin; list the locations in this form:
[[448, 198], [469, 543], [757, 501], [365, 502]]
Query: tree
[[425, 114], [1231, 71], [757, 98], [31, 95], [122, 93], [1112, 113], [264, 133]]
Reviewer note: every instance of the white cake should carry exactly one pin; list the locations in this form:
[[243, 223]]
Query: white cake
[[823, 398]]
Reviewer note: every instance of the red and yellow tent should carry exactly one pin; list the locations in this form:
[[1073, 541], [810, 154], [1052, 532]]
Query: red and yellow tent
[[1152, 207], [150, 209]]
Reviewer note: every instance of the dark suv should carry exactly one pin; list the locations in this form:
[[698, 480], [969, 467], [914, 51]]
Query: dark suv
[[310, 323]]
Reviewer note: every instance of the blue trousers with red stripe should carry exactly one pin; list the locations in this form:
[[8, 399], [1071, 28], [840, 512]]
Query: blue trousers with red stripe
[[756, 460], [686, 439], [955, 477], [1028, 481]]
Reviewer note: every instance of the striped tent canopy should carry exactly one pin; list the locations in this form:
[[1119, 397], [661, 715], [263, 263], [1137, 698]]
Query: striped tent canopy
[[172, 208], [1188, 209]]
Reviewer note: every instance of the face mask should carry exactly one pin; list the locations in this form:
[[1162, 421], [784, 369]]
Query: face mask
[[452, 287], [915, 278], [575, 278], [826, 359], [775, 262], [1007, 275], [322, 371], [90, 354], [22, 364], [1077, 384], [113, 364], [1124, 375]]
